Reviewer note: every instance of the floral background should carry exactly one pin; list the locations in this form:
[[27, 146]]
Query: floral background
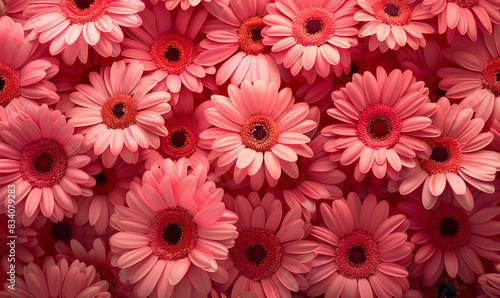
[[250, 148]]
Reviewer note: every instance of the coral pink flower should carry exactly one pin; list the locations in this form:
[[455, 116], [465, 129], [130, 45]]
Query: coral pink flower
[[71, 26], [392, 24], [24, 72], [119, 114], [237, 29], [59, 280], [269, 254], [40, 156], [384, 118], [365, 252], [173, 234], [311, 37], [490, 283], [476, 78], [260, 130], [166, 46], [185, 4], [457, 157]]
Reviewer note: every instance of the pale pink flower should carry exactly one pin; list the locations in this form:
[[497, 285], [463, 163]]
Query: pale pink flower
[[185, 4], [260, 131], [166, 46], [71, 26], [270, 254], [174, 233], [392, 24], [456, 157], [384, 118], [364, 250], [311, 37], [118, 113]]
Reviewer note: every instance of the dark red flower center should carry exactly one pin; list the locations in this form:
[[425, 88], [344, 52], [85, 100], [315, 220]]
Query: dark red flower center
[[84, 77], [259, 132], [182, 139], [392, 10], [83, 4], [449, 227], [83, 11], [43, 163], [446, 156], [357, 255], [440, 154], [119, 111], [105, 273], [257, 253], [313, 26], [435, 93], [172, 233], [287, 182], [465, 3], [250, 36], [172, 54], [105, 181], [10, 87], [379, 128]]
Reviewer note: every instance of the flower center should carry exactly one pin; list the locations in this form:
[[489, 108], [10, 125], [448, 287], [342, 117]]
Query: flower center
[[446, 290], [357, 255], [446, 156], [287, 182], [256, 253], [392, 12], [379, 126], [83, 11], [84, 77], [449, 227], [173, 52], [172, 234], [119, 111], [10, 87], [43, 163], [105, 273], [182, 139], [313, 26], [61, 231], [105, 181], [250, 36], [435, 93], [491, 76], [259, 132], [465, 3], [446, 287]]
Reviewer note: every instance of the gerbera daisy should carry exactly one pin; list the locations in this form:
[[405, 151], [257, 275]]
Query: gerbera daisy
[[23, 74], [456, 157], [119, 114], [71, 26], [490, 283], [477, 78], [13, 10], [166, 46], [364, 251], [173, 234], [311, 37], [383, 118], [260, 130], [185, 4], [392, 24], [237, 29], [269, 255], [40, 155], [59, 280]]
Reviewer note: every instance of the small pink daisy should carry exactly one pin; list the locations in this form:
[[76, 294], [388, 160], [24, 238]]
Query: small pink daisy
[[166, 46], [260, 131], [392, 24], [311, 37], [384, 119], [185, 4], [456, 157], [71, 26], [173, 233], [118, 112], [269, 255], [40, 156], [364, 253], [24, 73]]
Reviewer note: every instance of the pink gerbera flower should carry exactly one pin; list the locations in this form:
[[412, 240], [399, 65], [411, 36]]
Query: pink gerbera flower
[[365, 251], [457, 157], [173, 234], [490, 283], [260, 130], [72, 25], [23, 74], [269, 254], [167, 47], [311, 37], [119, 114], [185, 4], [384, 118], [234, 31], [392, 24], [40, 155]]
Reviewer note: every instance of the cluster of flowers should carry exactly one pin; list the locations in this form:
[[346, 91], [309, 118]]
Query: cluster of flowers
[[250, 148]]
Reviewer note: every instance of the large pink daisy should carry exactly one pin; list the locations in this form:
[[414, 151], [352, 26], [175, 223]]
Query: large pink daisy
[[392, 24], [72, 25], [40, 156], [118, 112], [384, 119], [260, 131], [173, 233], [166, 46], [311, 37], [185, 4], [364, 253], [457, 157], [269, 255]]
